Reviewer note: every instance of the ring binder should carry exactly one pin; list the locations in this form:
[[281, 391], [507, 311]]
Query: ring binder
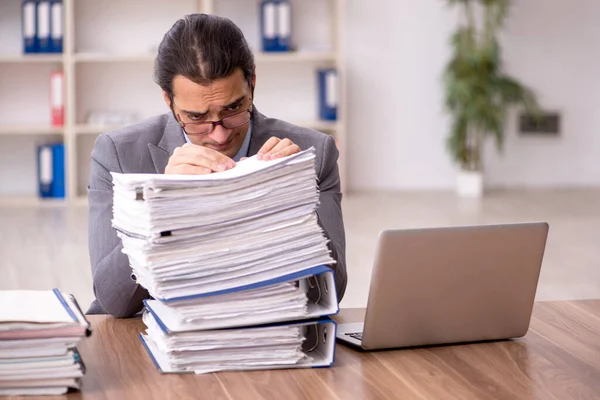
[[313, 286], [316, 339], [319, 304], [322, 352]]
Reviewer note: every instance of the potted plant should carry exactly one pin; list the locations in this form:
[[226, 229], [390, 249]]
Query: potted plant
[[478, 93]]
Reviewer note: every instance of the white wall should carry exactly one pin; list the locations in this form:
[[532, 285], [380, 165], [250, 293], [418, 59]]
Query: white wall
[[396, 52]]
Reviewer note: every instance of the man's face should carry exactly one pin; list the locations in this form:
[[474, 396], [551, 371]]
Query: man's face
[[224, 97]]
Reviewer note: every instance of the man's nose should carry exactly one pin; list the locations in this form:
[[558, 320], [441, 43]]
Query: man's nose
[[220, 134]]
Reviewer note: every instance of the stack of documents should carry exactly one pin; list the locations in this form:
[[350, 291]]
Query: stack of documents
[[226, 257], [39, 333]]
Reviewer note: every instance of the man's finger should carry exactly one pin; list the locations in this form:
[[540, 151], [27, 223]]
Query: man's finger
[[198, 160], [288, 151], [215, 156], [187, 169], [269, 144], [280, 146], [197, 152]]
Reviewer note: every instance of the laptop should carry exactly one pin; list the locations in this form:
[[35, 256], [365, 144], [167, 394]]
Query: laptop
[[451, 285]]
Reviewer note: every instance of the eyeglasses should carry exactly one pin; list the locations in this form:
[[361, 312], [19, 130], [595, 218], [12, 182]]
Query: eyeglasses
[[206, 127]]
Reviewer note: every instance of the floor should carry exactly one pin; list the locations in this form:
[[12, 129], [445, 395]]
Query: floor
[[42, 247]]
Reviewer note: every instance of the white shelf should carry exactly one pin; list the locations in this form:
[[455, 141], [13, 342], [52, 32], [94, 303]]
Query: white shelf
[[295, 56], [116, 57], [31, 58], [259, 56], [30, 130]]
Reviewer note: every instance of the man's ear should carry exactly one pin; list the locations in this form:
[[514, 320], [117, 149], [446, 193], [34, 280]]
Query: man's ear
[[167, 99]]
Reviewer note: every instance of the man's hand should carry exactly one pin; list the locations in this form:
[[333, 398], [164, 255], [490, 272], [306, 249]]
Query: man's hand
[[191, 159], [276, 148]]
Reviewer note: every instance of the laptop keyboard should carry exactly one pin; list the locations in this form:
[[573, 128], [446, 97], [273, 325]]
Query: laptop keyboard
[[355, 335]]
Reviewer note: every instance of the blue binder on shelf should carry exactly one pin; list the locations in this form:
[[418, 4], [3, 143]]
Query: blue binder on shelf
[[56, 26], [276, 25], [58, 169], [51, 171], [328, 94], [29, 26], [45, 171], [43, 26]]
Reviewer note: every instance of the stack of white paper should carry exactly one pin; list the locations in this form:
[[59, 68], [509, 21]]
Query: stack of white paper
[[39, 332], [188, 235], [212, 250], [284, 301], [222, 350]]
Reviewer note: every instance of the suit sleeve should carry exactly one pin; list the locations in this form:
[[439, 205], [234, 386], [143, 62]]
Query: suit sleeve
[[116, 293], [329, 212]]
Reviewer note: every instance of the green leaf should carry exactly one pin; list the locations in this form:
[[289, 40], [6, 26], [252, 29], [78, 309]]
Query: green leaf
[[478, 95]]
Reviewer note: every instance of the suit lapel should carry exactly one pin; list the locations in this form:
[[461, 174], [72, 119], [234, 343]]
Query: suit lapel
[[171, 139]]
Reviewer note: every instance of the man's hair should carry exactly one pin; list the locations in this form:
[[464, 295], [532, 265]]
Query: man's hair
[[202, 48]]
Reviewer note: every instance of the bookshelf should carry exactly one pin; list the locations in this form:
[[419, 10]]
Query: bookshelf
[[110, 45]]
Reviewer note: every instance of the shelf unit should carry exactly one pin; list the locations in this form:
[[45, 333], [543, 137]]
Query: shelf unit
[[82, 67]]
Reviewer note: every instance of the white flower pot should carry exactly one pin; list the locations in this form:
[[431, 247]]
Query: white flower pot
[[469, 184]]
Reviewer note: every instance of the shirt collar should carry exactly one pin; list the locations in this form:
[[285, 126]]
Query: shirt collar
[[243, 152]]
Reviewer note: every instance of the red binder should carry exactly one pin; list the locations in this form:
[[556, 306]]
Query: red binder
[[57, 98]]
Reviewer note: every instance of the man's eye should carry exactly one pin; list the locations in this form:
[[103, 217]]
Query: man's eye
[[195, 117], [234, 108]]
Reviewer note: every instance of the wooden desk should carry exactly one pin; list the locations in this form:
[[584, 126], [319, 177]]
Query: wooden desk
[[558, 359]]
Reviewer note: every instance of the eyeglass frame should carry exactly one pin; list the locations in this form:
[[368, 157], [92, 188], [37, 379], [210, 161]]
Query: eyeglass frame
[[213, 124]]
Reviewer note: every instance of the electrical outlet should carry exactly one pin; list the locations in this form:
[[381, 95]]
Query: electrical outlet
[[546, 124]]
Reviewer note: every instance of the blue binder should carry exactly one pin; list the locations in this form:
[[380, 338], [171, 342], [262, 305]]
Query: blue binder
[[56, 26], [45, 171], [51, 171], [43, 26], [319, 346], [328, 96], [284, 25], [321, 302], [268, 25], [276, 25], [29, 26], [58, 170]]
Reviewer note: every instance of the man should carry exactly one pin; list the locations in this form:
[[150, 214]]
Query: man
[[206, 72]]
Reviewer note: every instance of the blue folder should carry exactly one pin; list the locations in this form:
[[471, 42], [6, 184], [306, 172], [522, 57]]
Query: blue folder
[[45, 171], [58, 171], [51, 171], [29, 26], [56, 26], [43, 26], [276, 25], [328, 99]]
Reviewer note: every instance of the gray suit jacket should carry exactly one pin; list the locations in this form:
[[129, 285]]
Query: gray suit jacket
[[146, 148]]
